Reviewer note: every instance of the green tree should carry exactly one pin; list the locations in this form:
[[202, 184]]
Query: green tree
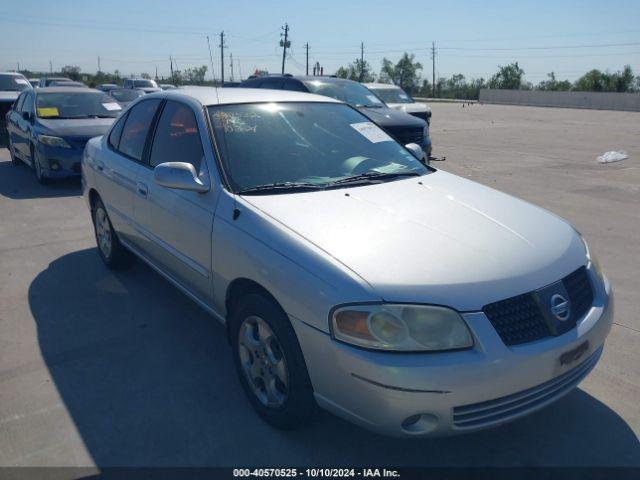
[[405, 73], [508, 77], [72, 72], [552, 84], [355, 69], [592, 81]]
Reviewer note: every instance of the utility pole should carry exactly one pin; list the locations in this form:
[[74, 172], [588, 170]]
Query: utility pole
[[307, 47], [285, 44], [18, 66], [213, 77], [156, 72], [361, 76], [50, 66], [433, 67], [99, 69], [171, 64], [222, 58], [231, 64]]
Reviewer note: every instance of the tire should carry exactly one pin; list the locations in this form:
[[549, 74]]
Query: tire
[[15, 161], [37, 168], [263, 340], [113, 253]]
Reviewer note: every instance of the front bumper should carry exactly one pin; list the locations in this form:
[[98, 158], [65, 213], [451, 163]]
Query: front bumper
[[59, 162], [453, 392]]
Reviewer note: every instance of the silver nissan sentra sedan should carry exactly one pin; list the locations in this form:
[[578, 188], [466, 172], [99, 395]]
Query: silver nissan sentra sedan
[[349, 274]]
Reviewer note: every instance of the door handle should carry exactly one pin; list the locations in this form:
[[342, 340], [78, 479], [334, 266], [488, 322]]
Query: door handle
[[143, 190]]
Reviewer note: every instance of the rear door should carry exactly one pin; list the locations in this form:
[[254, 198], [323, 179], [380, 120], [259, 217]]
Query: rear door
[[23, 128], [176, 224], [120, 163]]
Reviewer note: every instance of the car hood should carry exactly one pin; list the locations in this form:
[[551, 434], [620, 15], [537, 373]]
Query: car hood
[[79, 127], [436, 239], [9, 96], [410, 107], [388, 117]]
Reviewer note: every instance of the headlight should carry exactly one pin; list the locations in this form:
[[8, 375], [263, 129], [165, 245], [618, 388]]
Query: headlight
[[53, 141], [595, 264], [401, 327]]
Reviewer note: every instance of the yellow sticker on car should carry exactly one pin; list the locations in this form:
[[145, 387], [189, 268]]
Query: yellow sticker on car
[[48, 112]]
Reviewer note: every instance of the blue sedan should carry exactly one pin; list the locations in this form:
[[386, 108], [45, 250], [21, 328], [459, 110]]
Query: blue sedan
[[49, 127]]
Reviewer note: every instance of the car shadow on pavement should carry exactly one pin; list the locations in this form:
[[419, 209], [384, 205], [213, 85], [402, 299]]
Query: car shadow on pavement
[[148, 380], [19, 183]]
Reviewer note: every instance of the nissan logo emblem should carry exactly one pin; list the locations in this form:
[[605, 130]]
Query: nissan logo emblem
[[560, 307]]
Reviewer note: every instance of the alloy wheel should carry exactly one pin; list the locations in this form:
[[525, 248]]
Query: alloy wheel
[[103, 232], [263, 362]]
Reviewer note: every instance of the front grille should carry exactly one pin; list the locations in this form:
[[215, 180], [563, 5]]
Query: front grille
[[421, 115], [519, 319], [78, 142], [407, 135], [515, 405]]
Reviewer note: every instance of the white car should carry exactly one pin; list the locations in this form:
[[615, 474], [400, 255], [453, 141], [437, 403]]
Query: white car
[[397, 98], [349, 275]]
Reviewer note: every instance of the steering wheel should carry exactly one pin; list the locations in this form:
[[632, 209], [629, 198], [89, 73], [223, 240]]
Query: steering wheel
[[359, 164]]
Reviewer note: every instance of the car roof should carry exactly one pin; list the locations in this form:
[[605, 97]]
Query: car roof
[[226, 96], [15, 74], [382, 85], [65, 90]]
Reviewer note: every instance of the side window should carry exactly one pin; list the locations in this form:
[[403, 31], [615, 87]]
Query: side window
[[273, 83], [294, 85], [136, 128], [116, 132], [177, 138], [27, 105], [17, 106]]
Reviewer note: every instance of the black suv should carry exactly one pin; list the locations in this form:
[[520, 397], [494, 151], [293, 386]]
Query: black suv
[[403, 127]]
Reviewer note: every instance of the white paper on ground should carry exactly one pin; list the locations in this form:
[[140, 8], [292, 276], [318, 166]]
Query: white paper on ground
[[613, 156], [371, 132]]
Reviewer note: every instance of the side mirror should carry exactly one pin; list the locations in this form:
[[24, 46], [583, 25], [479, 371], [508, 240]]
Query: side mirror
[[26, 116], [179, 175], [416, 151]]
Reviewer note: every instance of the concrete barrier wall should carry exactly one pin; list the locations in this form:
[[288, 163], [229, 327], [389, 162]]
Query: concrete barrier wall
[[595, 100]]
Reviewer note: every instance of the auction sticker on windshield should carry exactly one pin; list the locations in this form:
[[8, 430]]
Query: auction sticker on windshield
[[371, 132], [374, 99], [48, 112], [112, 106]]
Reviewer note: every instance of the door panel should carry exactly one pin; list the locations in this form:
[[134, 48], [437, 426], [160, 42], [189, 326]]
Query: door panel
[[119, 166], [176, 224]]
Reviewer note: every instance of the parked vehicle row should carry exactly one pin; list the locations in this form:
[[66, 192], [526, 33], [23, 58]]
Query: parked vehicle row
[[49, 127], [410, 301]]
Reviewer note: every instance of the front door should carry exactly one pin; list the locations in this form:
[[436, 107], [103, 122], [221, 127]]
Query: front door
[[177, 224]]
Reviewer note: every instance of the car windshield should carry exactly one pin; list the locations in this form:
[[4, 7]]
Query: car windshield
[[13, 83], [352, 93], [145, 84], [393, 95], [79, 104], [126, 94], [313, 145]]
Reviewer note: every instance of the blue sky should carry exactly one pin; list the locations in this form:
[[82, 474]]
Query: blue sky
[[472, 37]]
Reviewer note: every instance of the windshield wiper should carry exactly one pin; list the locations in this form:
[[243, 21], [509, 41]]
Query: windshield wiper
[[374, 176], [281, 187], [362, 105]]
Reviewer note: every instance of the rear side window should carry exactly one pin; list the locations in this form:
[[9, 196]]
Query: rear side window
[[27, 106], [177, 138], [18, 105], [116, 133], [136, 128], [294, 85]]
